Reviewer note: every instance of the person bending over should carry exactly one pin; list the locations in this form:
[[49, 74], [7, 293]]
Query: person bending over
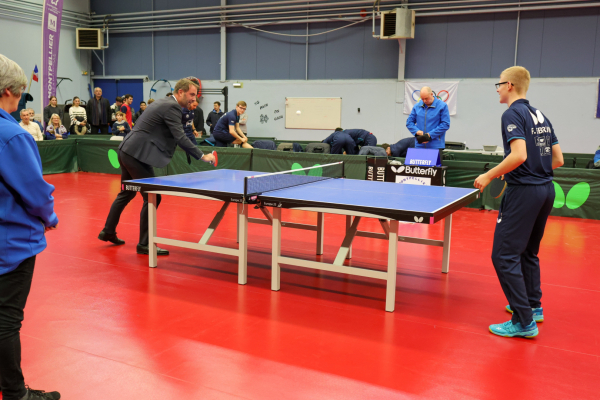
[[341, 142], [400, 148]]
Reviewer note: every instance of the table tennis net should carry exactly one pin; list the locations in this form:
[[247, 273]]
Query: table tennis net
[[255, 185]]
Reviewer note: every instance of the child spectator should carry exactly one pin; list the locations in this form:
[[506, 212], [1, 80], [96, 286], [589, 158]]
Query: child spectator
[[121, 127]]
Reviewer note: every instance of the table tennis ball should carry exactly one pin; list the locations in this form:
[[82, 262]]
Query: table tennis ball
[[298, 112]]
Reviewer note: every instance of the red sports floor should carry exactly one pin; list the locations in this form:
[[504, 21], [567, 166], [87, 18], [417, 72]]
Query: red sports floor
[[100, 325]]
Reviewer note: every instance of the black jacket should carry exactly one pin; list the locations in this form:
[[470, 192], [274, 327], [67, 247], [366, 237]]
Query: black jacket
[[96, 118], [137, 115], [212, 119], [157, 133], [199, 120]]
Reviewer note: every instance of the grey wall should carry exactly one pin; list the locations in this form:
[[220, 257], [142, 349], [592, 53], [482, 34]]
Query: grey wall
[[26, 50], [477, 121], [560, 43]]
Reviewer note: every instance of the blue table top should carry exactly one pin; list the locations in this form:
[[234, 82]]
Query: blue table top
[[393, 200]]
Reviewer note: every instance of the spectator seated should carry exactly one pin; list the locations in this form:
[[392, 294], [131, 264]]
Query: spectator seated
[[55, 129]]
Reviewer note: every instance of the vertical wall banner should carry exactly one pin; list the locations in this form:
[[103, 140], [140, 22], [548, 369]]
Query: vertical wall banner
[[445, 91], [50, 40], [598, 103]]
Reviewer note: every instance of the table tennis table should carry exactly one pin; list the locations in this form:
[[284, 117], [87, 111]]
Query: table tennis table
[[387, 202]]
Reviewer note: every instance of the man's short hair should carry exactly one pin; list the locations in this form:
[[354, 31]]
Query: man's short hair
[[184, 84], [518, 76], [119, 113], [119, 99], [216, 102], [142, 102], [150, 101], [12, 76], [24, 111], [338, 129], [97, 88], [169, 94], [127, 96], [241, 103], [385, 146]]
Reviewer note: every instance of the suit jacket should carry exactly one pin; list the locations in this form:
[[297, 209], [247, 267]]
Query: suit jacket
[[157, 133]]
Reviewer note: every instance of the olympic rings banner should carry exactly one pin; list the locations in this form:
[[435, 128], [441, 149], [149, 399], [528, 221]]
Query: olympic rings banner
[[445, 91], [51, 22]]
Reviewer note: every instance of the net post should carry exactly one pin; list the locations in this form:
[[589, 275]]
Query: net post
[[343, 170], [244, 199]]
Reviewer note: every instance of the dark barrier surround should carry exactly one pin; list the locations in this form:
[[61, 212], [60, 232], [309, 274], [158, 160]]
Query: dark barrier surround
[[578, 189]]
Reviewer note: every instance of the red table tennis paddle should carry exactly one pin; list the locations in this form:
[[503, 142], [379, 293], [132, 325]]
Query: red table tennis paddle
[[214, 153], [497, 187]]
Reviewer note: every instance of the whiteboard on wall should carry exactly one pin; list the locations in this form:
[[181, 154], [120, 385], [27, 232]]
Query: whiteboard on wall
[[313, 112]]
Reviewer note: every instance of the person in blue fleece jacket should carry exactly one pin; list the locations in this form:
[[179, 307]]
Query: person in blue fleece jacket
[[26, 213]]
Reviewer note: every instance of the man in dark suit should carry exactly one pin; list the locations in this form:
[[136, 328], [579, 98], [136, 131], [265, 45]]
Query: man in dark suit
[[98, 112], [152, 143]]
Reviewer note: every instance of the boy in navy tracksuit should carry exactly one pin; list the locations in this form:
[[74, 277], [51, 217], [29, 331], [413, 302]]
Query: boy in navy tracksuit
[[531, 153]]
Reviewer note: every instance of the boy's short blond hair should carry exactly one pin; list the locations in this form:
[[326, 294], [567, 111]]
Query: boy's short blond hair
[[120, 113], [519, 77]]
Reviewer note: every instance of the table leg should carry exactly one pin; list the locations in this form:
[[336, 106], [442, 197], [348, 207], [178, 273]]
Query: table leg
[[243, 244], [447, 237], [320, 232], [276, 250], [152, 252], [390, 294], [348, 224], [239, 210]]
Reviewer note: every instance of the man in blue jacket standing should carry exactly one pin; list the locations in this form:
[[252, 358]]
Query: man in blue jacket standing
[[429, 120], [26, 213]]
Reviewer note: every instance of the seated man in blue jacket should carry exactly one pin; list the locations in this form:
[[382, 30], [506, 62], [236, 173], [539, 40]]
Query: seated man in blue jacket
[[26, 213], [341, 142], [429, 120], [399, 149]]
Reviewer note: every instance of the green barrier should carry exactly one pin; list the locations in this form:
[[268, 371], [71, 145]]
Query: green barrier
[[98, 155], [475, 157], [229, 158], [577, 189], [355, 167], [58, 156], [577, 193], [463, 174]]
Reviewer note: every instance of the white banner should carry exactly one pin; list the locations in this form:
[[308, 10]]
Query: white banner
[[445, 91]]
